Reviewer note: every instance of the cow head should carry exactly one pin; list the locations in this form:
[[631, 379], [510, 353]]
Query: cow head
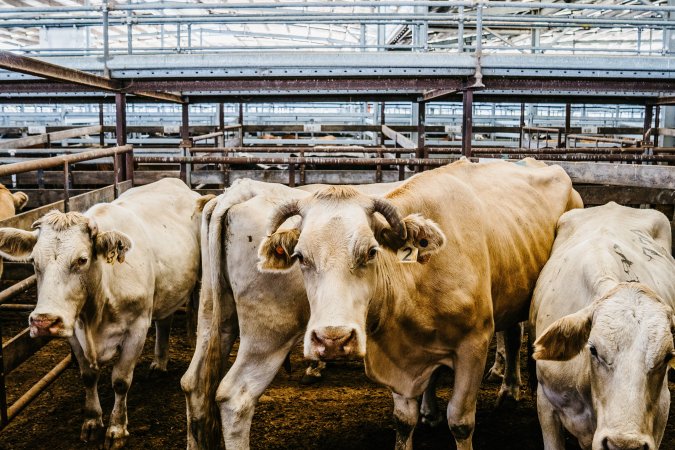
[[65, 249], [347, 253], [628, 340]]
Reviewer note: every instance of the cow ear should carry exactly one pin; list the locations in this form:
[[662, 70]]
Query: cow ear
[[20, 199], [565, 337], [112, 245], [420, 232], [17, 245], [276, 252]]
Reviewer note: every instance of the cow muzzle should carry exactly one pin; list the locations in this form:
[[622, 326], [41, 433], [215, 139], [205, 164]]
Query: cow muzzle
[[630, 442], [46, 325], [333, 342]]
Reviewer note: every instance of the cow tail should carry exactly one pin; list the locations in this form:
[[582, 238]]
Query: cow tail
[[531, 363], [223, 307]]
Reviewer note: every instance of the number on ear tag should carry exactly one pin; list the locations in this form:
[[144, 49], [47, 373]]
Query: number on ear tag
[[407, 254]]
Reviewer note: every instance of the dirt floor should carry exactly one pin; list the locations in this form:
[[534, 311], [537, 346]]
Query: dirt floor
[[347, 411]]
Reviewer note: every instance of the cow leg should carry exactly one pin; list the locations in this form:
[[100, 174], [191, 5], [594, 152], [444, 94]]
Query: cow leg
[[122, 374], [469, 363], [241, 388], [431, 416], [163, 330], [92, 427], [313, 373], [510, 390], [406, 412], [496, 372], [551, 427]]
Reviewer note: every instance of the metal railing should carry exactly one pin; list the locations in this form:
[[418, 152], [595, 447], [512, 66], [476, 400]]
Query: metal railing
[[467, 26]]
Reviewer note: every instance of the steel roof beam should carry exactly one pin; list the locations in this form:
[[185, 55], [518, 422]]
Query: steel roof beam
[[42, 69]]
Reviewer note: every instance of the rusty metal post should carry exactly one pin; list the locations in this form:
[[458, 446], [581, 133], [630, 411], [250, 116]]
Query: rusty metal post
[[421, 119], [649, 111], [66, 187], [657, 120], [185, 142], [382, 118], [101, 137], [120, 130], [522, 124], [291, 175], [302, 168], [467, 122], [4, 420], [568, 121], [241, 118]]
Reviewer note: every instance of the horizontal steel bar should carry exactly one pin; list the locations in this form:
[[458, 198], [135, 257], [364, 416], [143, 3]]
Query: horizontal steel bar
[[45, 163], [37, 389], [243, 160], [17, 288]]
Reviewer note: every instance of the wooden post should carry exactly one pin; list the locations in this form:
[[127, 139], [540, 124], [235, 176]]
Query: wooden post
[[467, 122]]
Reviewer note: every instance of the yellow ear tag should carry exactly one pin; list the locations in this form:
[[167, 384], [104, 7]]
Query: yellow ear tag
[[407, 254]]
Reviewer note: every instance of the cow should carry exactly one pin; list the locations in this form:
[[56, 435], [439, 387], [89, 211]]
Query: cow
[[10, 204], [271, 321], [269, 326], [602, 316], [103, 276], [454, 258]]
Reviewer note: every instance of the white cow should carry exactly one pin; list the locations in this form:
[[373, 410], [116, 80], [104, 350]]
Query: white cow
[[602, 314], [103, 276]]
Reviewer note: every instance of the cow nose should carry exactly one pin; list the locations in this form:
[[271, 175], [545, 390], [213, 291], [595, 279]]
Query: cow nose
[[625, 443], [333, 342], [45, 324]]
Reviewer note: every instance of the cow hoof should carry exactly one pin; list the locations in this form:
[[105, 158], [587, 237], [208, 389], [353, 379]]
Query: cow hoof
[[157, 370], [507, 399], [92, 430], [308, 380], [431, 420], [494, 375], [116, 438]]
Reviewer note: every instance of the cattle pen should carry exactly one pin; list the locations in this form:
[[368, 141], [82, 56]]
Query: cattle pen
[[98, 97]]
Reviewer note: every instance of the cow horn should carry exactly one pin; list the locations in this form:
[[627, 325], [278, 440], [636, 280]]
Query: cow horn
[[391, 215], [282, 213]]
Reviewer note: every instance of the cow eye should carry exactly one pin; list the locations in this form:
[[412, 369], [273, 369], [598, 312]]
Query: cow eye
[[82, 260], [301, 258], [593, 350], [372, 252]]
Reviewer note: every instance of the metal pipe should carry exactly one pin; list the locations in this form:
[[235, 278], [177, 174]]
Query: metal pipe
[[17, 307], [244, 160], [46, 163], [38, 387], [17, 288]]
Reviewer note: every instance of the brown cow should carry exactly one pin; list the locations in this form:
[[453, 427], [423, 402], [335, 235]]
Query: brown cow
[[455, 258]]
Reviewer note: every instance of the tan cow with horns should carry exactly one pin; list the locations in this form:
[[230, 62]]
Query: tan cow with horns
[[477, 236], [103, 276]]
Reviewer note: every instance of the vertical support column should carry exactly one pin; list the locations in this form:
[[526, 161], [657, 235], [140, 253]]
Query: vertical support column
[[649, 112], [101, 137], [657, 118], [522, 125], [382, 122], [241, 116], [421, 119], [185, 142], [568, 120], [122, 171], [467, 122], [220, 142]]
